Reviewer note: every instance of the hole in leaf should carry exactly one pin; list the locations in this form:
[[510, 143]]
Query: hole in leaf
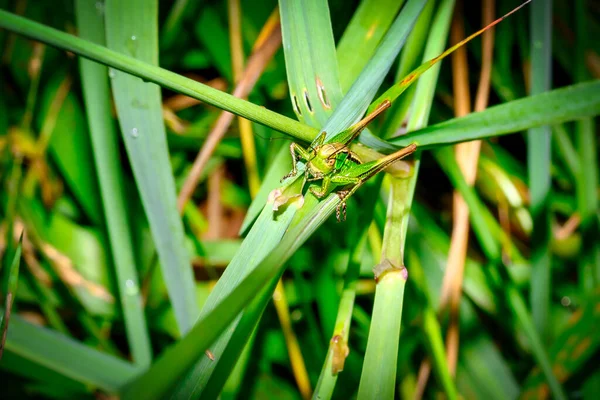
[[307, 101], [322, 94], [295, 105]]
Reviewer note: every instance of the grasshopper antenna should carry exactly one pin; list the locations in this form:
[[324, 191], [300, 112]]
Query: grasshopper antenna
[[360, 125]]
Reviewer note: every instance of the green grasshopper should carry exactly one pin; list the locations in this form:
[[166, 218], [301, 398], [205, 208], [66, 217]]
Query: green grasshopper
[[337, 166]]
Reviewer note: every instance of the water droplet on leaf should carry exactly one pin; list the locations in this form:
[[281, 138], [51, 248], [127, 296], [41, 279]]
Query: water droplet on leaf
[[131, 288]]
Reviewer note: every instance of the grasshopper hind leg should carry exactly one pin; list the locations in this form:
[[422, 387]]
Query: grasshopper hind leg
[[341, 208]]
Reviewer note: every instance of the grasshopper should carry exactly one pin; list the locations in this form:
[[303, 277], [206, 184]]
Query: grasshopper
[[337, 166]]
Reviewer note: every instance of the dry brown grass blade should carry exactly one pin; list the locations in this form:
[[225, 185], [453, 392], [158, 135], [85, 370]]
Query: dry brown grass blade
[[66, 271], [33, 70], [467, 155], [422, 378], [296, 359], [261, 55], [245, 126], [568, 228], [180, 102], [214, 207]]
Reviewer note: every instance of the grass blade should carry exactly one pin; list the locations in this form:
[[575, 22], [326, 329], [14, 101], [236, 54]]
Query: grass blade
[[338, 345], [67, 357], [264, 236], [369, 24], [392, 93], [445, 157], [222, 308], [63, 131], [572, 349], [152, 73], [587, 179], [539, 161], [410, 58], [132, 28], [310, 60], [378, 376], [553, 107], [522, 314], [105, 149], [421, 110], [365, 87], [9, 290]]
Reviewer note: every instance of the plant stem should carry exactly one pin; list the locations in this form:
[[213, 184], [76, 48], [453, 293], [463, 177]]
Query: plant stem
[[160, 76], [378, 378], [539, 160]]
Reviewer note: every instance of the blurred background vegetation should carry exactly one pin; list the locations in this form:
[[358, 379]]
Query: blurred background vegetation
[[100, 215]]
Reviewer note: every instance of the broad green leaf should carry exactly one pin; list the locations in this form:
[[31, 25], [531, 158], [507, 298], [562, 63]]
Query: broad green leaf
[[132, 28], [310, 60]]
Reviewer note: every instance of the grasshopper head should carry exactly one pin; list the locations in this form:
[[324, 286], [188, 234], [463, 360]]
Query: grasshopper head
[[325, 158], [329, 152]]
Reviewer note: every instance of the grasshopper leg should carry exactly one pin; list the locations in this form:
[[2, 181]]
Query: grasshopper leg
[[297, 152], [320, 193], [341, 208]]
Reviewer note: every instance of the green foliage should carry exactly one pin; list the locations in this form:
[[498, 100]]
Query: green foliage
[[110, 290]]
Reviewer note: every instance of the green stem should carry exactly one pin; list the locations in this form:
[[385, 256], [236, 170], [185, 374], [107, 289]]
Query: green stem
[[378, 378], [160, 76], [587, 179], [539, 160], [338, 345]]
